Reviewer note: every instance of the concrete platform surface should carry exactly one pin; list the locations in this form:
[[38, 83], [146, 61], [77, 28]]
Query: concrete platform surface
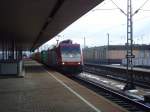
[[49, 91]]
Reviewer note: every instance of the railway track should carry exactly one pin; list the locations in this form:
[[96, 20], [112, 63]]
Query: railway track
[[129, 103], [115, 76]]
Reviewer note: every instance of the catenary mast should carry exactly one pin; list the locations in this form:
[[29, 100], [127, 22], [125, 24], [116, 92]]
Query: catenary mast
[[129, 45]]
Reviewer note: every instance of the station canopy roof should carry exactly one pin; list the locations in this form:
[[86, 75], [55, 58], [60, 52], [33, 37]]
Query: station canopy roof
[[30, 23]]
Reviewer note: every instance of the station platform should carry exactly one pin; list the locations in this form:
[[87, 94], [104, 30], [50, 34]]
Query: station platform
[[44, 90]]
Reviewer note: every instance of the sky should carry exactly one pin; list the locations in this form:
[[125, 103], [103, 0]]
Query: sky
[[106, 18]]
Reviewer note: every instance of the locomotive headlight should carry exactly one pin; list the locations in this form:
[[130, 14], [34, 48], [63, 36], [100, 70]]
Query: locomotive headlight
[[71, 55], [63, 63], [79, 63]]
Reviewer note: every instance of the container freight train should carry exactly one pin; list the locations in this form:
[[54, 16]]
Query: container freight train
[[65, 57], [115, 54], [104, 54]]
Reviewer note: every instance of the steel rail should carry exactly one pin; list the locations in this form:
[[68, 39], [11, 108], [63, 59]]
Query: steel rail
[[127, 102]]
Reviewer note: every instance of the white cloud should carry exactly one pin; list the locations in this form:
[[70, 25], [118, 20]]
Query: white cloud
[[96, 24]]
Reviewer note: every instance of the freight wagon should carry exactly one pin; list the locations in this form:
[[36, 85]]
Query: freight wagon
[[138, 62], [113, 54], [104, 55]]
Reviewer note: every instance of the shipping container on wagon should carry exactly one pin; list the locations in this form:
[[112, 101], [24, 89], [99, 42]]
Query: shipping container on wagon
[[94, 55], [113, 54], [44, 56], [36, 56], [102, 55], [141, 62], [52, 57]]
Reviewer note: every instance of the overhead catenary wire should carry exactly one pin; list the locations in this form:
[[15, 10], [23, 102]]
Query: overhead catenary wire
[[102, 6], [104, 9], [112, 8], [123, 11], [103, 3], [143, 4], [140, 7], [118, 7], [135, 11], [144, 9]]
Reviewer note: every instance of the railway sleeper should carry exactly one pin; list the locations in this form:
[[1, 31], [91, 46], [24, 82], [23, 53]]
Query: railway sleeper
[[134, 110]]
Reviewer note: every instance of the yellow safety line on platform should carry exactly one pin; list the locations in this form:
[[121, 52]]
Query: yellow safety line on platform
[[75, 93]]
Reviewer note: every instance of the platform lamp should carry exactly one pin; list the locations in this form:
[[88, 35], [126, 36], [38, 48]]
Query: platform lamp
[[57, 39], [58, 36]]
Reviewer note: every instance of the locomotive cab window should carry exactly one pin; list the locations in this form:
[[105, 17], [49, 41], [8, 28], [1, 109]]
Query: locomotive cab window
[[70, 51]]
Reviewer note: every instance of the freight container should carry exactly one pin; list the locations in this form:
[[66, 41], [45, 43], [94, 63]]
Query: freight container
[[52, 57], [115, 54], [44, 57]]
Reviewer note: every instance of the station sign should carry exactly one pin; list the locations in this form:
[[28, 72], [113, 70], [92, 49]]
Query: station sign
[[130, 56]]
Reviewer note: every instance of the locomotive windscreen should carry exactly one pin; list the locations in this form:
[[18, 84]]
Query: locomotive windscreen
[[71, 53]]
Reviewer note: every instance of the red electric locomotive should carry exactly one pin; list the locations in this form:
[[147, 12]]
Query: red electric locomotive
[[66, 57]]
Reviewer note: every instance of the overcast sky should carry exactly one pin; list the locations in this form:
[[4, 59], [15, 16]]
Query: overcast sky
[[95, 25]]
